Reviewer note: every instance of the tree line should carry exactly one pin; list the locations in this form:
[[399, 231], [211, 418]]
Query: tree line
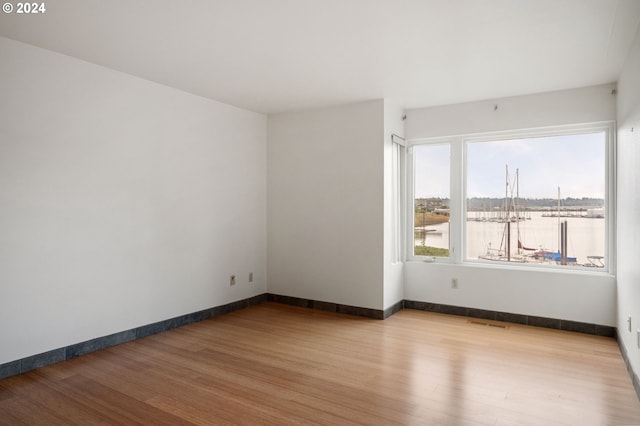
[[495, 203]]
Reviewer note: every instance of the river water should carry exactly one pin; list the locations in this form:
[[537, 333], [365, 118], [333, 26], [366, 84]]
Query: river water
[[585, 236]]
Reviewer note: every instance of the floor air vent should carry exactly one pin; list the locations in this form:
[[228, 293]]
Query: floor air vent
[[488, 324]]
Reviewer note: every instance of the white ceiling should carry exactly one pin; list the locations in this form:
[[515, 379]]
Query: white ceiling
[[277, 55]]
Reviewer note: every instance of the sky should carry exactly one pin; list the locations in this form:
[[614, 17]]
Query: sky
[[575, 163]]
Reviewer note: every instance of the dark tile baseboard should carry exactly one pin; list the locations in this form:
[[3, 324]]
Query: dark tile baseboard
[[61, 354], [565, 325], [632, 374], [558, 324], [397, 307], [327, 306]]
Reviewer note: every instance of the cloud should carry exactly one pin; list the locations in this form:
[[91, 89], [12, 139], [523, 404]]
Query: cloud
[[575, 163]]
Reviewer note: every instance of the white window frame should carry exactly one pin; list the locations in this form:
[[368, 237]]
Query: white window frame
[[458, 192], [398, 195], [454, 207]]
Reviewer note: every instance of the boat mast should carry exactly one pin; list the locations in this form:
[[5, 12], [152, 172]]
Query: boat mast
[[506, 193], [515, 208], [507, 225], [559, 233]]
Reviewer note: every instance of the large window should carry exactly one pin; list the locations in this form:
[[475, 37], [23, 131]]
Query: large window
[[535, 198]]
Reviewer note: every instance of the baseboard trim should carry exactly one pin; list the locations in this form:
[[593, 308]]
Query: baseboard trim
[[557, 324], [396, 307], [29, 363], [632, 374], [327, 306]]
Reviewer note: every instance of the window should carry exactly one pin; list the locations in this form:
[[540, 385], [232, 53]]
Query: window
[[534, 198], [431, 216]]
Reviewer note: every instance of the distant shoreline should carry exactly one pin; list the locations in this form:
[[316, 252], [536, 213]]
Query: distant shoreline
[[489, 204]]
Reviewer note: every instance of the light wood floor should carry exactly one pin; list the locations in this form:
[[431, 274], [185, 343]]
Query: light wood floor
[[277, 364]]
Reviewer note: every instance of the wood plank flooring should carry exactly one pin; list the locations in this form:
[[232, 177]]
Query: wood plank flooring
[[278, 364]]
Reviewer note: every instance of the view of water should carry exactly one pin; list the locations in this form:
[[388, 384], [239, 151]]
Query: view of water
[[585, 236]]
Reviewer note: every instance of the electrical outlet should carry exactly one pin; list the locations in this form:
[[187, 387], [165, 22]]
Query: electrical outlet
[[250, 277], [232, 280], [454, 283]]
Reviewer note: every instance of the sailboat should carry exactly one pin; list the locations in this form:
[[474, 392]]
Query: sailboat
[[510, 214], [525, 254]]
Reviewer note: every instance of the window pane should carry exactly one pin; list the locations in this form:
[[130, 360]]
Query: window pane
[[538, 200], [431, 200]]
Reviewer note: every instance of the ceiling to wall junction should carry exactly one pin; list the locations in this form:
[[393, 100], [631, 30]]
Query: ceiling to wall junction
[[277, 55]]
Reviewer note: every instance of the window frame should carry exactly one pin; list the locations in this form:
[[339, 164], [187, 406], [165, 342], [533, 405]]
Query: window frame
[[458, 192], [454, 248], [398, 195]]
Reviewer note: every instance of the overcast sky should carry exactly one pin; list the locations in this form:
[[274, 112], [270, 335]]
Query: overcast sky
[[576, 164]]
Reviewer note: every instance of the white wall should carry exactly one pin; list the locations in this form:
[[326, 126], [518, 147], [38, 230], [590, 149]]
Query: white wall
[[628, 219], [122, 202], [574, 106], [325, 204], [393, 271], [585, 297]]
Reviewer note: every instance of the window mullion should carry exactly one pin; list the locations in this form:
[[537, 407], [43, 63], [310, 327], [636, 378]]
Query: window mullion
[[457, 207]]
